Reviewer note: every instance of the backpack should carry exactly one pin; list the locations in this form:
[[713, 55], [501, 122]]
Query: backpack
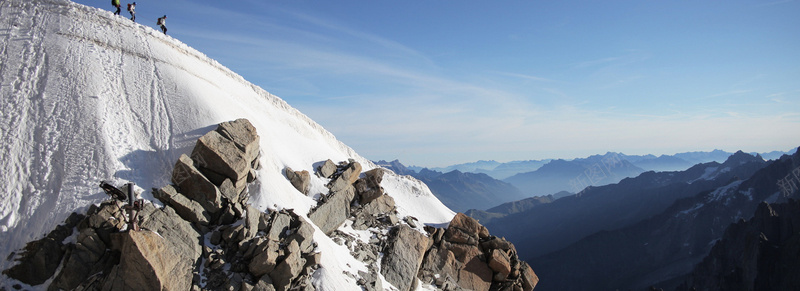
[[129, 6]]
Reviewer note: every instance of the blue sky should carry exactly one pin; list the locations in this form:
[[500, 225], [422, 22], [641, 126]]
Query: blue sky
[[435, 83]]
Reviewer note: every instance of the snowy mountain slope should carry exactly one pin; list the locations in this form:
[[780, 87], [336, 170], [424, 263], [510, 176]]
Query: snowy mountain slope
[[88, 96]]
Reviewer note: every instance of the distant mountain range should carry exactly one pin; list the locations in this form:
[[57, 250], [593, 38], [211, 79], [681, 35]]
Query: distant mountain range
[[484, 184], [461, 191], [650, 230]]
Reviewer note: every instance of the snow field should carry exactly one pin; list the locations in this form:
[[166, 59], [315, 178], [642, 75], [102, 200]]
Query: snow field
[[88, 96]]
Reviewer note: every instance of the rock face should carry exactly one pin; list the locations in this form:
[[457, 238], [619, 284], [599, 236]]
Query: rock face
[[403, 256], [147, 262], [466, 255], [759, 254], [206, 236]]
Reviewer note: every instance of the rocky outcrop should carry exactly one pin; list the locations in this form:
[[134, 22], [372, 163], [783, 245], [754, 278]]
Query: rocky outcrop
[[465, 255], [39, 259], [206, 236]]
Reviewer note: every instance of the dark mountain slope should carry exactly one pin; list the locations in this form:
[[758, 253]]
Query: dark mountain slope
[[760, 254], [660, 250], [462, 191], [554, 225]]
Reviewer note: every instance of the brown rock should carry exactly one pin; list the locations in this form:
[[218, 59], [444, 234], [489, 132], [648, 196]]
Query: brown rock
[[529, 278], [243, 134], [195, 185], [300, 179], [188, 209], [475, 274], [289, 269], [217, 154], [147, 263], [500, 262], [327, 169], [266, 257]]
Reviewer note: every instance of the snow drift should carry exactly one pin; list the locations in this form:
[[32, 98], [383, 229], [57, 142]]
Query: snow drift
[[89, 96]]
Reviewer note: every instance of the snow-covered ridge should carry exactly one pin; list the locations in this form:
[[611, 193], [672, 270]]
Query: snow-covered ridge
[[89, 96]]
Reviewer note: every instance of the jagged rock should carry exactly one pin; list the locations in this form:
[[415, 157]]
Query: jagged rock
[[217, 154], [233, 234], [264, 284], [180, 236], [380, 205], [473, 273], [228, 190], [289, 269], [147, 262], [83, 260], [251, 222], [370, 281], [333, 212], [466, 230], [244, 136], [195, 185], [38, 262], [500, 263], [346, 178], [304, 236], [498, 243], [439, 263], [369, 188], [529, 278], [403, 256], [263, 221], [40, 258], [265, 260], [105, 219], [327, 169], [300, 179], [281, 222], [188, 209]]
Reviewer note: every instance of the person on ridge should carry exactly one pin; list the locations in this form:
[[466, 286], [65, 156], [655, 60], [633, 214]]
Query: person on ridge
[[162, 23], [115, 3], [132, 10]]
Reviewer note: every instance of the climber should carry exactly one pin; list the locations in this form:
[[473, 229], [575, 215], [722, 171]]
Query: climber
[[162, 23], [115, 3], [132, 10]]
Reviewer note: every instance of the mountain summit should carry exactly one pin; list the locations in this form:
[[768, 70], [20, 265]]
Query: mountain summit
[[89, 96]]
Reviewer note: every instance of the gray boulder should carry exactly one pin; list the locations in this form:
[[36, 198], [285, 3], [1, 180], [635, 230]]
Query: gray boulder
[[349, 174], [333, 212], [147, 262], [188, 209], [244, 136], [289, 269], [252, 219], [327, 169], [195, 185], [84, 260], [218, 156], [301, 180], [369, 188], [265, 260], [281, 223], [403, 256]]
